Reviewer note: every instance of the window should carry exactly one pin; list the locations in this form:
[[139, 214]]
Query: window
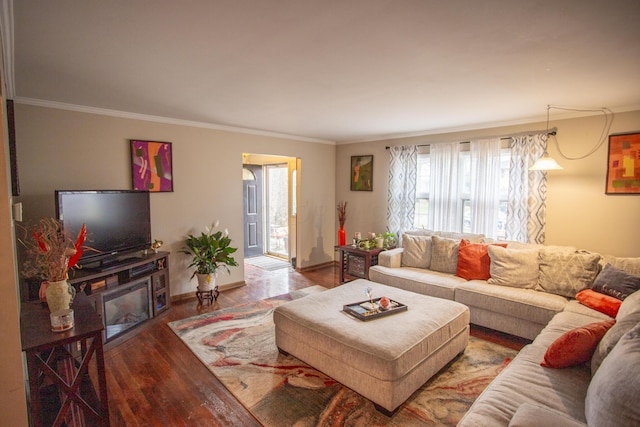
[[423, 176]]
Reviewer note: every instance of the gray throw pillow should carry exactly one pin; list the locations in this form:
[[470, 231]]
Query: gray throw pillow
[[517, 268], [628, 316], [611, 338], [444, 256], [616, 283], [567, 273], [416, 251], [612, 396], [631, 304]]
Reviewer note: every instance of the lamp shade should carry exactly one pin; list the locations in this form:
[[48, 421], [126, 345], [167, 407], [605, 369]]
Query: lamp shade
[[545, 163]]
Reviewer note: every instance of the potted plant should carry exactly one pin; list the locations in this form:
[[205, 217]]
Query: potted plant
[[209, 252], [51, 253]]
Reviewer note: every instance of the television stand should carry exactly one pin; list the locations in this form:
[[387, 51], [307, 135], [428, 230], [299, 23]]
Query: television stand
[[111, 264], [139, 284]]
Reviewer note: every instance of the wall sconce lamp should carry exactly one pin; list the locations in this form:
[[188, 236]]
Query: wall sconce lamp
[[546, 162]]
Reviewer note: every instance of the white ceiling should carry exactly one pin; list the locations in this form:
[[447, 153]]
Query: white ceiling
[[330, 70]]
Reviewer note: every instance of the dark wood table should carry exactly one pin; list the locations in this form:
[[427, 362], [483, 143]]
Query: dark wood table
[[355, 262], [59, 363]]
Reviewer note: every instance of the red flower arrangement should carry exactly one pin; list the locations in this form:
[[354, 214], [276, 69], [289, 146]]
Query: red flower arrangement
[[51, 252]]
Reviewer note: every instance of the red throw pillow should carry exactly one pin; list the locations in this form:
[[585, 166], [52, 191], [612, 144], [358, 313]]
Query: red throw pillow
[[601, 302], [474, 261], [576, 346]]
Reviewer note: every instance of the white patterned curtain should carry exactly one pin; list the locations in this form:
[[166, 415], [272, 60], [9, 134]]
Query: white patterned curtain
[[485, 186], [445, 210], [402, 189], [526, 209]]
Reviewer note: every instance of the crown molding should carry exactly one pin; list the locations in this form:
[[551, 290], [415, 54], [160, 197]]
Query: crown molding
[[476, 126], [160, 119]]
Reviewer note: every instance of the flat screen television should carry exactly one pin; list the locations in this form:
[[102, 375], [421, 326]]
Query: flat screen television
[[118, 223]]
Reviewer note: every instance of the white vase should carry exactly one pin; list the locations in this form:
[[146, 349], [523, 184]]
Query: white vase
[[206, 282], [59, 295]]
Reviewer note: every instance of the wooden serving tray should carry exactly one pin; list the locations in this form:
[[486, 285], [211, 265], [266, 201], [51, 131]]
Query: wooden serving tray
[[362, 310]]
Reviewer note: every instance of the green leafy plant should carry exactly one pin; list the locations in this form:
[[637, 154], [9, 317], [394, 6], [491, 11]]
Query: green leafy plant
[[389, 239], [210, 251]]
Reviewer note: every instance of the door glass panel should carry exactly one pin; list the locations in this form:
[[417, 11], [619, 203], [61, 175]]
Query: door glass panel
[[277, 210]]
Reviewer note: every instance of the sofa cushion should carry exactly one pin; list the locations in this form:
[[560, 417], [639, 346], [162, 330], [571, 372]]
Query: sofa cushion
[[530, 415], [525, 381], [416, 251], [418, 280], [616, 283], [444, 257], [473, 260], [630, 265], [576, 346], [567, 273], [516, 268], [576, 307], [600, 302], [627, 318], [538, 307], [612, 398]]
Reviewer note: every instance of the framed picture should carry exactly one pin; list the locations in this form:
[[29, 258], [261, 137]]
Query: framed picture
[[362, 173], [151, 166], [623, 164]]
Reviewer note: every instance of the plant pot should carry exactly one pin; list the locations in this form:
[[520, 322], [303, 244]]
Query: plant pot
[[59, 295], [206, 282]]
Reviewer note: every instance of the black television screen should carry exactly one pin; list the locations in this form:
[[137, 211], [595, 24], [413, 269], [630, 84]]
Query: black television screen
[[118, 221]]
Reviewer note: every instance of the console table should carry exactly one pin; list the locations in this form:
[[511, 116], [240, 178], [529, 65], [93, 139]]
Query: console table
[[355, 262], [61, 388]]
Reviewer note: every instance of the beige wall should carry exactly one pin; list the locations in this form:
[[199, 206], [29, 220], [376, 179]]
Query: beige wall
[[13, 404], [578, 211], [60, 149]]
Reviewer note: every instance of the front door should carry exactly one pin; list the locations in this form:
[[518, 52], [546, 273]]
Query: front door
[[252, 192]]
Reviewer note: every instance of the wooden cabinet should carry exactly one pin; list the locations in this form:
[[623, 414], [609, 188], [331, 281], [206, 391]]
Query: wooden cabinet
[[67, 381], [355, 262]]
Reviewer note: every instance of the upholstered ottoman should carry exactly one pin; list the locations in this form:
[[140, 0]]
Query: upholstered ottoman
[[384, 359]]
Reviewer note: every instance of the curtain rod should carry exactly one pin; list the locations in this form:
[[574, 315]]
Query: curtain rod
[[550, 132]]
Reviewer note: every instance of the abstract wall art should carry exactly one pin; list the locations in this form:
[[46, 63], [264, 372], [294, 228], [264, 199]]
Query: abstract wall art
[[151, 166], [623, 164]]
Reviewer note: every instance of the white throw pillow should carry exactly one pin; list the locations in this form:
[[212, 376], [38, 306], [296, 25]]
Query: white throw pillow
[[444, 257], [416, 251], [517, 268], [630, 265]]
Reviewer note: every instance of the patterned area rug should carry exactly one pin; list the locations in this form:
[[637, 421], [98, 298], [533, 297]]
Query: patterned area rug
[[238, 346], [267, 262]]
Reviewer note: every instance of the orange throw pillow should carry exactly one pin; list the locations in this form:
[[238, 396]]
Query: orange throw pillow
[[474, 261], [576, 346], [601, 302]]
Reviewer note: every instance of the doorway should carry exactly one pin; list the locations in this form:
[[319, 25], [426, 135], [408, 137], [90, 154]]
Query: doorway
[[270, 194]]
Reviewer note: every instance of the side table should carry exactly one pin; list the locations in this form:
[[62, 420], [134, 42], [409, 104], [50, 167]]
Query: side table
[[61, 391], [355, 262]]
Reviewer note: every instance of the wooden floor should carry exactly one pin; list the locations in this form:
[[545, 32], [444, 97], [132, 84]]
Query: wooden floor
[[153, 379]]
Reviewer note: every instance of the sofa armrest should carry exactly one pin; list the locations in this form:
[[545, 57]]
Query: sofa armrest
[[530, 415], [391, 258]]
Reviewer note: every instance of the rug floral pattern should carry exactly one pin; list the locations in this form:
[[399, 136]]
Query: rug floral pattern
[[238, 346]]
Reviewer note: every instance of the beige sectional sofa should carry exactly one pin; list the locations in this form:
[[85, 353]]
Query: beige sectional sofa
[[530, 293]]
